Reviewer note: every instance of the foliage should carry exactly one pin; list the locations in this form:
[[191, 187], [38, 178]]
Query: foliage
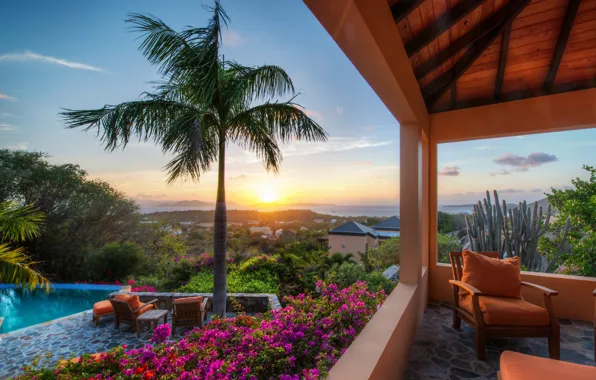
[[114, 261], [203, 103], [237, 282], [445, 244], [301, 341], [18, 224], [579, 206], [450, 222], [348, 274], [385, 255], [81, 215]]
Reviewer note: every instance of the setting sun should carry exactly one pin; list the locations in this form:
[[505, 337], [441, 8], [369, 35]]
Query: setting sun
[[268, 195]]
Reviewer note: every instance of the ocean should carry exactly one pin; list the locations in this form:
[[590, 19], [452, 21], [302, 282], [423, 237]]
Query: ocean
[[338, 210]]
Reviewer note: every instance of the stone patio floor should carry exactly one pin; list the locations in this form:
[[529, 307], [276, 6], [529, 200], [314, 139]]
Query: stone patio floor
[[75, 334], [442, 352]]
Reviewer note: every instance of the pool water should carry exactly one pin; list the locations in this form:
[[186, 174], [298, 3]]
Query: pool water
[[22, 307]]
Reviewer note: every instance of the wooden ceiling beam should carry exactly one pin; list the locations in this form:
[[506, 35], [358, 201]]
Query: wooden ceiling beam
[[441, 25], [403, 8], [493, 21], [519, 95], [502, 61], [434, 90], [570, 14]]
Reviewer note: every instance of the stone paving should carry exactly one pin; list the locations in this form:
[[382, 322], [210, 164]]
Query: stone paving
[[75, 334], [442, 352]]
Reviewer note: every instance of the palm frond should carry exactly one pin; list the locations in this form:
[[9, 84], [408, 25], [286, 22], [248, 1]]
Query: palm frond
[[147, 119], [259, 83], [255, 136], [19, 223], [285, 121], [194, 138], [16, 268]]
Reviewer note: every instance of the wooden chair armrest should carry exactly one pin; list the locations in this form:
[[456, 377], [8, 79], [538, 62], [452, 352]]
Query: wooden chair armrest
[[594, 293], [204, 304], [468, 288], [152, 302], [546, 291]]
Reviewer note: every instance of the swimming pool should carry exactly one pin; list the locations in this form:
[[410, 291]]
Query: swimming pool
[[22, 307]]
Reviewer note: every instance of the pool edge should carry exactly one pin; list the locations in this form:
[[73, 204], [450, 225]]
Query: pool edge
[[5, 335]]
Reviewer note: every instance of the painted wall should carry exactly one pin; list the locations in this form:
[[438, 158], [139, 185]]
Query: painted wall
[[345, 244]]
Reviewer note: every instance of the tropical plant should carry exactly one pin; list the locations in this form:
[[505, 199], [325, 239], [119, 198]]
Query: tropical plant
[[203, 104], [385, 255], [578, 205], [445, 244], [18, 224]]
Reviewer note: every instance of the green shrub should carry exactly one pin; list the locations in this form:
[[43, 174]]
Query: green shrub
[[237, 282], [114, 261], [347, 274], [386, 255], [445, 244]]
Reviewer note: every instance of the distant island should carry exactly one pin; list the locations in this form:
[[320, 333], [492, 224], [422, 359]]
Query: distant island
[[192, 203]]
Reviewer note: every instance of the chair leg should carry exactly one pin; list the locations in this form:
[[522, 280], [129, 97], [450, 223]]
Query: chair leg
[[139, 328], [554, 343], [116, 322], [456, 320], [480, 345]]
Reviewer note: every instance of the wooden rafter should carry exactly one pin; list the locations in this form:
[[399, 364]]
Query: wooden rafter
[[570, 13], [402, 8], [502, 61], [493, 21], [441, 25], [434, 90]]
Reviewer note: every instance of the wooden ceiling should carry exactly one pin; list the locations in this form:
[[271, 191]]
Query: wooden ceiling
[[468, 53]]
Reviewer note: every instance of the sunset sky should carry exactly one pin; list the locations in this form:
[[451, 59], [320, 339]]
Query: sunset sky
[[80, 54]]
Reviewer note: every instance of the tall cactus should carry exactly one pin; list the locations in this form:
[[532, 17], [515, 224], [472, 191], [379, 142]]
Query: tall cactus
[[513, 232]]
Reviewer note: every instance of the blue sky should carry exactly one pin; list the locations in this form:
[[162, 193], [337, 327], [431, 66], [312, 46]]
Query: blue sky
[[81, 54]]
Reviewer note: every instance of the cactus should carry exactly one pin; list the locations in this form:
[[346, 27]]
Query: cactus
[[513, 232]]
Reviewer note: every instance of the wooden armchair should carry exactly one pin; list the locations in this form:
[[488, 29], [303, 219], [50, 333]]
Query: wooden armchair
[[493, 317], [189, 312], [124, 313]]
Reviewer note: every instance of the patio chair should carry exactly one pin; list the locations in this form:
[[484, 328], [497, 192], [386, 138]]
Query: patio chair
[[189, 311], [128, 310], [487, 296]]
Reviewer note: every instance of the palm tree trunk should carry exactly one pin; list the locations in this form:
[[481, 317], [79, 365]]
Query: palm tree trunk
[[219, 237]]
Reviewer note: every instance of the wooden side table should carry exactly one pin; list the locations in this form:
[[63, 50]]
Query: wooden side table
[[152, 317]]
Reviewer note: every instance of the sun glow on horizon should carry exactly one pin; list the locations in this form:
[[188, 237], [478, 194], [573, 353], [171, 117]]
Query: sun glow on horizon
[[268, 194]]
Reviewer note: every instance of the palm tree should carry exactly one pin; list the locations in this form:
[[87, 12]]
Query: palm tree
[[203, 104], [18, 224]]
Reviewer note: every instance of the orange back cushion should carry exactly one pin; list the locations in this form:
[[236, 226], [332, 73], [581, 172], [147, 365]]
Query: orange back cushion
[[134, 302], [189, 299], [493, 277], [123, 297]]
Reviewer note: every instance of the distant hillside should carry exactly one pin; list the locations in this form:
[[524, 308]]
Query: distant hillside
[[193, 203]]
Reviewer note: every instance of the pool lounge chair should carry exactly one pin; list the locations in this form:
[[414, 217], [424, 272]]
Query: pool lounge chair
[[127, 311], [189, 311]]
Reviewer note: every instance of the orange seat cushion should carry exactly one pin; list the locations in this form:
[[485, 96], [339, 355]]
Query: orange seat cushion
[[499, 311], [189, 299], [145, 309], [123, 297], [516, 366], [102, 308], [493, 277]]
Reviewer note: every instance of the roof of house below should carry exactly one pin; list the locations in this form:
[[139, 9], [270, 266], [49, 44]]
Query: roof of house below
[[353, 228], [391, 224]]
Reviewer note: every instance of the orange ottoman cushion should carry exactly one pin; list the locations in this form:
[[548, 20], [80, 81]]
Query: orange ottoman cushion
[[102, 307], [499, 311], [493, 277], [516, 366]]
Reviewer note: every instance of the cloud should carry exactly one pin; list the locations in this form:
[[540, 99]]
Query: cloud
[[450, 171], [30, 56], [7, 127], [340, 110], [231, 38], [508, 171], [334, 144], [145, 195], [509, 191], [19, 146], [6, 114], [240, 177], [370, 128], [315, 115], [6, 97], [532, 160], [536, 190], [484, 147]]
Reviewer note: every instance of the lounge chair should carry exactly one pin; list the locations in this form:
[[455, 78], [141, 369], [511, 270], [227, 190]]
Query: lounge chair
[[487, 296], [189, 311], [127, 310]]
